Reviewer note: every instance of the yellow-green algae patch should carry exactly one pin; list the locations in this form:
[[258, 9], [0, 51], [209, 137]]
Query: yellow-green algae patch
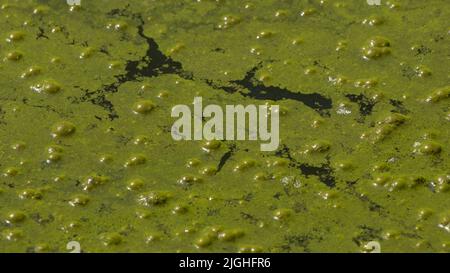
[[85, 147]]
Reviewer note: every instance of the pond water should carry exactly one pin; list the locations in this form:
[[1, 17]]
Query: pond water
[[86, 152]]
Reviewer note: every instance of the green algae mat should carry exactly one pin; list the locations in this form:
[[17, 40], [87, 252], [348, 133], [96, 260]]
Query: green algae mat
[[87, 158]]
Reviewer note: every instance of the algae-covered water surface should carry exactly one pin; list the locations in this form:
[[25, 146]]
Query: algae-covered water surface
[[86, 152]]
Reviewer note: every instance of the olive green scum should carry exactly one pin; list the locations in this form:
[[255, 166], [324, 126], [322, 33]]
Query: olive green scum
[[86, 152]]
